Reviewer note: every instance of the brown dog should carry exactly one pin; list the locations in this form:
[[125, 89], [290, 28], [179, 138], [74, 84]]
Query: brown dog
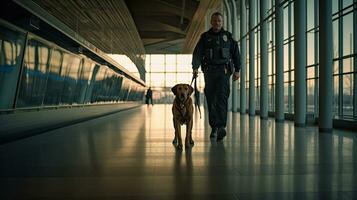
[[182, 111]]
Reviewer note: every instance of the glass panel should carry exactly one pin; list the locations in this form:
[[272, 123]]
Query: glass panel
[[11, 47], [184, 63], [109, 87], [147, 63], [124, 93], [184, 77], [270, 63], [170, 79], [292, 55], [124, 89], [286, 57], [247, 98], [55, 80], [310, 48], [310, 95], [291, 97], [157, 79], [286, 77], [292, 76], [99, 89], [317, 51], [347, 95], [310, 14], [286, 23], [70, 73], [271, 97], [34, 76], [335, 38], [291, 19], [355, 93], [334, 6], [347, 65], [157, 63], [348, 34], [286, 97], [335, 95], [335, 67], [311, 72], [84, 81], [347, 3], [170, 62]]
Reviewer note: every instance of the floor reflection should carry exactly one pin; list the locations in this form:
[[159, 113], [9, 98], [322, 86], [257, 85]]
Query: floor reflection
[[129, 155]]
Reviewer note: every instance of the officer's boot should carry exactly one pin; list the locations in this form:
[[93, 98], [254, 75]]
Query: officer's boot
[[213, 134], [221, 133]]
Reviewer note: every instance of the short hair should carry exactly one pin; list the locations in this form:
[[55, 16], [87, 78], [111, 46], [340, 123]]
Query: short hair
[[216, 14]]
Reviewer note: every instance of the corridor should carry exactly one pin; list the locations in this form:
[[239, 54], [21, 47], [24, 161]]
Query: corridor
[[129, 155]]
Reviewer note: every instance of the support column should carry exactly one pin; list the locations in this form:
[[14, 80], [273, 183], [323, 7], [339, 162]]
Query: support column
[[229, 28], [229, 15], [355, 60], [279, 57], [300, 63], [325, 69], [251, 58], [243, 57], [264, 60], [235, 36]]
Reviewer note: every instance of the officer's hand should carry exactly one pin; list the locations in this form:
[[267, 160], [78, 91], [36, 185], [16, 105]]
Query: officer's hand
[[195, 73], [235, 76]]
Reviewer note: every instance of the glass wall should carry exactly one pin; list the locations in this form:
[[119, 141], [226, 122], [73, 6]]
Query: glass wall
[[271, 57], [53, 76], [344, 52], [11, 50], [344, 72], [288, 56]]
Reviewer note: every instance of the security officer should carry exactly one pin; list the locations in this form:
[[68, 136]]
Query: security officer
[[218, 55]]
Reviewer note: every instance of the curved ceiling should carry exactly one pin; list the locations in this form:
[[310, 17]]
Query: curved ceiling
[[135, 27], [162, 24]]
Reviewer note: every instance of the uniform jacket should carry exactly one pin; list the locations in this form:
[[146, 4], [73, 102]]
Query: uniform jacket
[[216, 49]]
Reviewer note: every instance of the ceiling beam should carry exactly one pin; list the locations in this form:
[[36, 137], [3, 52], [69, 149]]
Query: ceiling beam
[[147, 24], [141, 6]]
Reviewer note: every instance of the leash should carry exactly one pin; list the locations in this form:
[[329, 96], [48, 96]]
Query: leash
[[197, 94]]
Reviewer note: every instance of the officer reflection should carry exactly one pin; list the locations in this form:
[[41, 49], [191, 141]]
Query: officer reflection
[[218, 55]]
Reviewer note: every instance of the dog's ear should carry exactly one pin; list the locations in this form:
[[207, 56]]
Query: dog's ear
[[174, 89], [190, 88]]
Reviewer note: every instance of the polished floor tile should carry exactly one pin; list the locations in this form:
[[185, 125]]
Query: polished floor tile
[[129, 155]]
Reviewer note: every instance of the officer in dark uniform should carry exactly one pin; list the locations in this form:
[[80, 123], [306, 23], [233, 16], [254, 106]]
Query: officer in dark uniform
[[218, 55]]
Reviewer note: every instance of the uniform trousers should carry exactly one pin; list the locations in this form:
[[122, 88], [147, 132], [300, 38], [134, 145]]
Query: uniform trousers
[[217, 91]]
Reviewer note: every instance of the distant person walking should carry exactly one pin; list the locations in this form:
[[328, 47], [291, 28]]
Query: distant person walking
[[149, 97]]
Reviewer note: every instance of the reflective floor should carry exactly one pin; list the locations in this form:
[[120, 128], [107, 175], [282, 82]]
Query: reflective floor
[[129, 155]]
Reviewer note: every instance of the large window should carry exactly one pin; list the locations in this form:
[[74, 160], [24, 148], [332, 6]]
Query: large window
[[344, 71], [11, 49], [344, 57], [163, 71], [312, 50], [36, 73], [288, 57]]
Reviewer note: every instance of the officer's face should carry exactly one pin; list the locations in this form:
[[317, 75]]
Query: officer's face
[[216, 22]]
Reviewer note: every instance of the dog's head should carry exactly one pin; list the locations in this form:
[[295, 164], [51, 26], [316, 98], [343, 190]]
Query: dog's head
[[182, 91]]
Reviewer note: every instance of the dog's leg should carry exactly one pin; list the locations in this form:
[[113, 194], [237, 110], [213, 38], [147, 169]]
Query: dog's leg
[[178, 134], [189, 140], [175, 139]]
